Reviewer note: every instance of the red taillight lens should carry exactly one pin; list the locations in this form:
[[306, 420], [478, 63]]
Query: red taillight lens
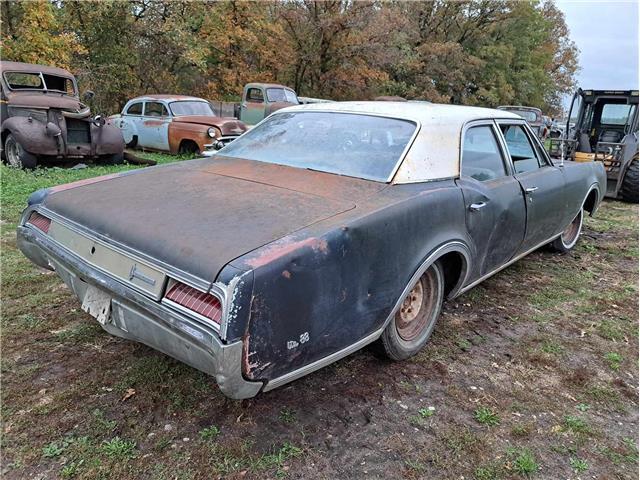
[[199, 302], [39, 221]]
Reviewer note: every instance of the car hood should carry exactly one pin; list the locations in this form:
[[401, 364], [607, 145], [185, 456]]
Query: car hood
[[198, 216], [228, 126], [45, 100]]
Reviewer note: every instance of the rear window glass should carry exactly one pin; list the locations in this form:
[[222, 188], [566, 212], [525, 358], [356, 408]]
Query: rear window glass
[[348, 144], [528, 115]]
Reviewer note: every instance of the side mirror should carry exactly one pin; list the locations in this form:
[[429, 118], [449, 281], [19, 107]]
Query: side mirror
[[88, 95]]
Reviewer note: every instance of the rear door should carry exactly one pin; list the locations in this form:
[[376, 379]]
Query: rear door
[[542, 184], [495, 206], [130, 121]]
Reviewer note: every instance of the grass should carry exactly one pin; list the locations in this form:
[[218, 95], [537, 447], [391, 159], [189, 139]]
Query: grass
[[550, 340], [486, 416], [523, 461], [119, 448], [209, 433], [614, 360]]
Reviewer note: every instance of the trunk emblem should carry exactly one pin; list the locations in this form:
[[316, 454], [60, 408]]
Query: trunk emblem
[[134, 273]]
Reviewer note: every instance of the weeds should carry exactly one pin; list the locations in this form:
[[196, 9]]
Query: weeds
[[486, 416]]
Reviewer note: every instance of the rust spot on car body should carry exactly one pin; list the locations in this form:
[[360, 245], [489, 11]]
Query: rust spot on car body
[[286, 274], [284, 247]]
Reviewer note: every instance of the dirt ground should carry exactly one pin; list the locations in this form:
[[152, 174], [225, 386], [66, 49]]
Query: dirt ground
[[532, 374]]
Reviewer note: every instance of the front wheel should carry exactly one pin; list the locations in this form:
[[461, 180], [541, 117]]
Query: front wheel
[[569, 237], [16, 155], [413, 324]]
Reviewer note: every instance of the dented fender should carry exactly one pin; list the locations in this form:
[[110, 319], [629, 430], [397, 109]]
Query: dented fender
[[31, 135]]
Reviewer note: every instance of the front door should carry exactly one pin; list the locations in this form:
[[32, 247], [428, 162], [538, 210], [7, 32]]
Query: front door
[[542, 185], [154, 129], [252, 109], [494, 202]]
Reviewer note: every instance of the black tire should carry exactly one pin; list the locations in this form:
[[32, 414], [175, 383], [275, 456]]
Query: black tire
[[16, 156], [115, 159], [407, 333], [629, 187], [133, 143], [569, 237]]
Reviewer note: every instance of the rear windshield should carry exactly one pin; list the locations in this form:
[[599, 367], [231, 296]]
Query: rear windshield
[[355, 145], [188, 107], [37, 81]]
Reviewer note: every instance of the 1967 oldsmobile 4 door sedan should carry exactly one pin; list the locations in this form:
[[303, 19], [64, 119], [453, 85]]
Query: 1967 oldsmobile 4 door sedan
[[324, 228]]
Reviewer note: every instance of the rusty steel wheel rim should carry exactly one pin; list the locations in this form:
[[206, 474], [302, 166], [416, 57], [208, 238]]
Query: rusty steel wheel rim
[[570, 234], [414, 314], [13, 154]]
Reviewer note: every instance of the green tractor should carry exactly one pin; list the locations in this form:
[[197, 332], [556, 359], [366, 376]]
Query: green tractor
[[603, 126]]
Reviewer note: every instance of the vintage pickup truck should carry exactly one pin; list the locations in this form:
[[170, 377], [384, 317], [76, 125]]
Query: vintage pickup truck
[[175, 124], [43, 118]]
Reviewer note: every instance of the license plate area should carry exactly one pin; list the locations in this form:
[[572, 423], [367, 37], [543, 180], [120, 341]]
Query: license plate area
[[97, 303]]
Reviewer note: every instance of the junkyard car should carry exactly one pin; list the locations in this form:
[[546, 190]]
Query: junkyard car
[[533, 116], [43, 118], [325, 228], [176, 124]]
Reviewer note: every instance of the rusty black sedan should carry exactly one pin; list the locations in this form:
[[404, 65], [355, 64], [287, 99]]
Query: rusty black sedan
[[323, 229]]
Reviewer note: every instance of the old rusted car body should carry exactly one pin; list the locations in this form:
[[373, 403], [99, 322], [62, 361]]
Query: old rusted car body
[[315, 233], [176, 124], [42, 117]]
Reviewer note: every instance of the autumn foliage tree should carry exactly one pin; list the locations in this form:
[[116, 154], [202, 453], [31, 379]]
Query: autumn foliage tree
[[481, 52]]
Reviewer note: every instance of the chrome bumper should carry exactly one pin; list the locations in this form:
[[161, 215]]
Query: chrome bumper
[[136, 317]]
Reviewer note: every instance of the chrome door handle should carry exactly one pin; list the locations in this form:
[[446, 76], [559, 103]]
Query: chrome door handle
[[474, 207], [530, 189]]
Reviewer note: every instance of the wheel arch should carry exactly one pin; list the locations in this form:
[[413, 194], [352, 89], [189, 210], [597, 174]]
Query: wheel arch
[[592, 200], [455, 258]]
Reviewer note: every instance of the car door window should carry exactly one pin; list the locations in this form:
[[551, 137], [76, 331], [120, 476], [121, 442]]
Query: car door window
[[481, 157], [155, 109], [520, 149], [255, 95], [135, 109]]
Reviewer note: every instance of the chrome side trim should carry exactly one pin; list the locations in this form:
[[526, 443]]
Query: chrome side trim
[[510, 262], [318, 364], [455, 246]]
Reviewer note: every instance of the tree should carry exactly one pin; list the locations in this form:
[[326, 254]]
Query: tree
[[34, 34]]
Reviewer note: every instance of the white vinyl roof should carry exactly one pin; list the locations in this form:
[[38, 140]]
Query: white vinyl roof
[[435, 152]]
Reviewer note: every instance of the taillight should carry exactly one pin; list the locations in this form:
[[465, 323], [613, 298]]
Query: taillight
[[201, 303], [39, 221]]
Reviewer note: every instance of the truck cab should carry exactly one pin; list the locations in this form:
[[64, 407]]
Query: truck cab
[[603, 126], [259, 100]]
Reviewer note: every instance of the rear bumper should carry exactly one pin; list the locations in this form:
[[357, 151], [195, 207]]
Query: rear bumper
[[136, 317]]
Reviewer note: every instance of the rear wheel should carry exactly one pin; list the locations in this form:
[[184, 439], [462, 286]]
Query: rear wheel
[[569, 237], [629, 187], [413, 324], [16, 156]]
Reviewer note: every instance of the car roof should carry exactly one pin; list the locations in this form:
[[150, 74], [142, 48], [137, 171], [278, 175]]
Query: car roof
[[434, 154], [33, 68], [167, 97], [519, 107]]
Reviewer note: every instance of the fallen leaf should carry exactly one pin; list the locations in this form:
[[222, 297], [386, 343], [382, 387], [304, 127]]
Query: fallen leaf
[[130, 393]]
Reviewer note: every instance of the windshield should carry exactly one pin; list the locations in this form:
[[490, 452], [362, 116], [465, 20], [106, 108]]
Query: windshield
[[190, 107], [281, 95], [354, 145], [38, 81], [528, 115]]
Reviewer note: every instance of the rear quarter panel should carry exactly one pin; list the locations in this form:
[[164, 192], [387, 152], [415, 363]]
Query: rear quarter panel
[[580, 179], [322, 289]]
